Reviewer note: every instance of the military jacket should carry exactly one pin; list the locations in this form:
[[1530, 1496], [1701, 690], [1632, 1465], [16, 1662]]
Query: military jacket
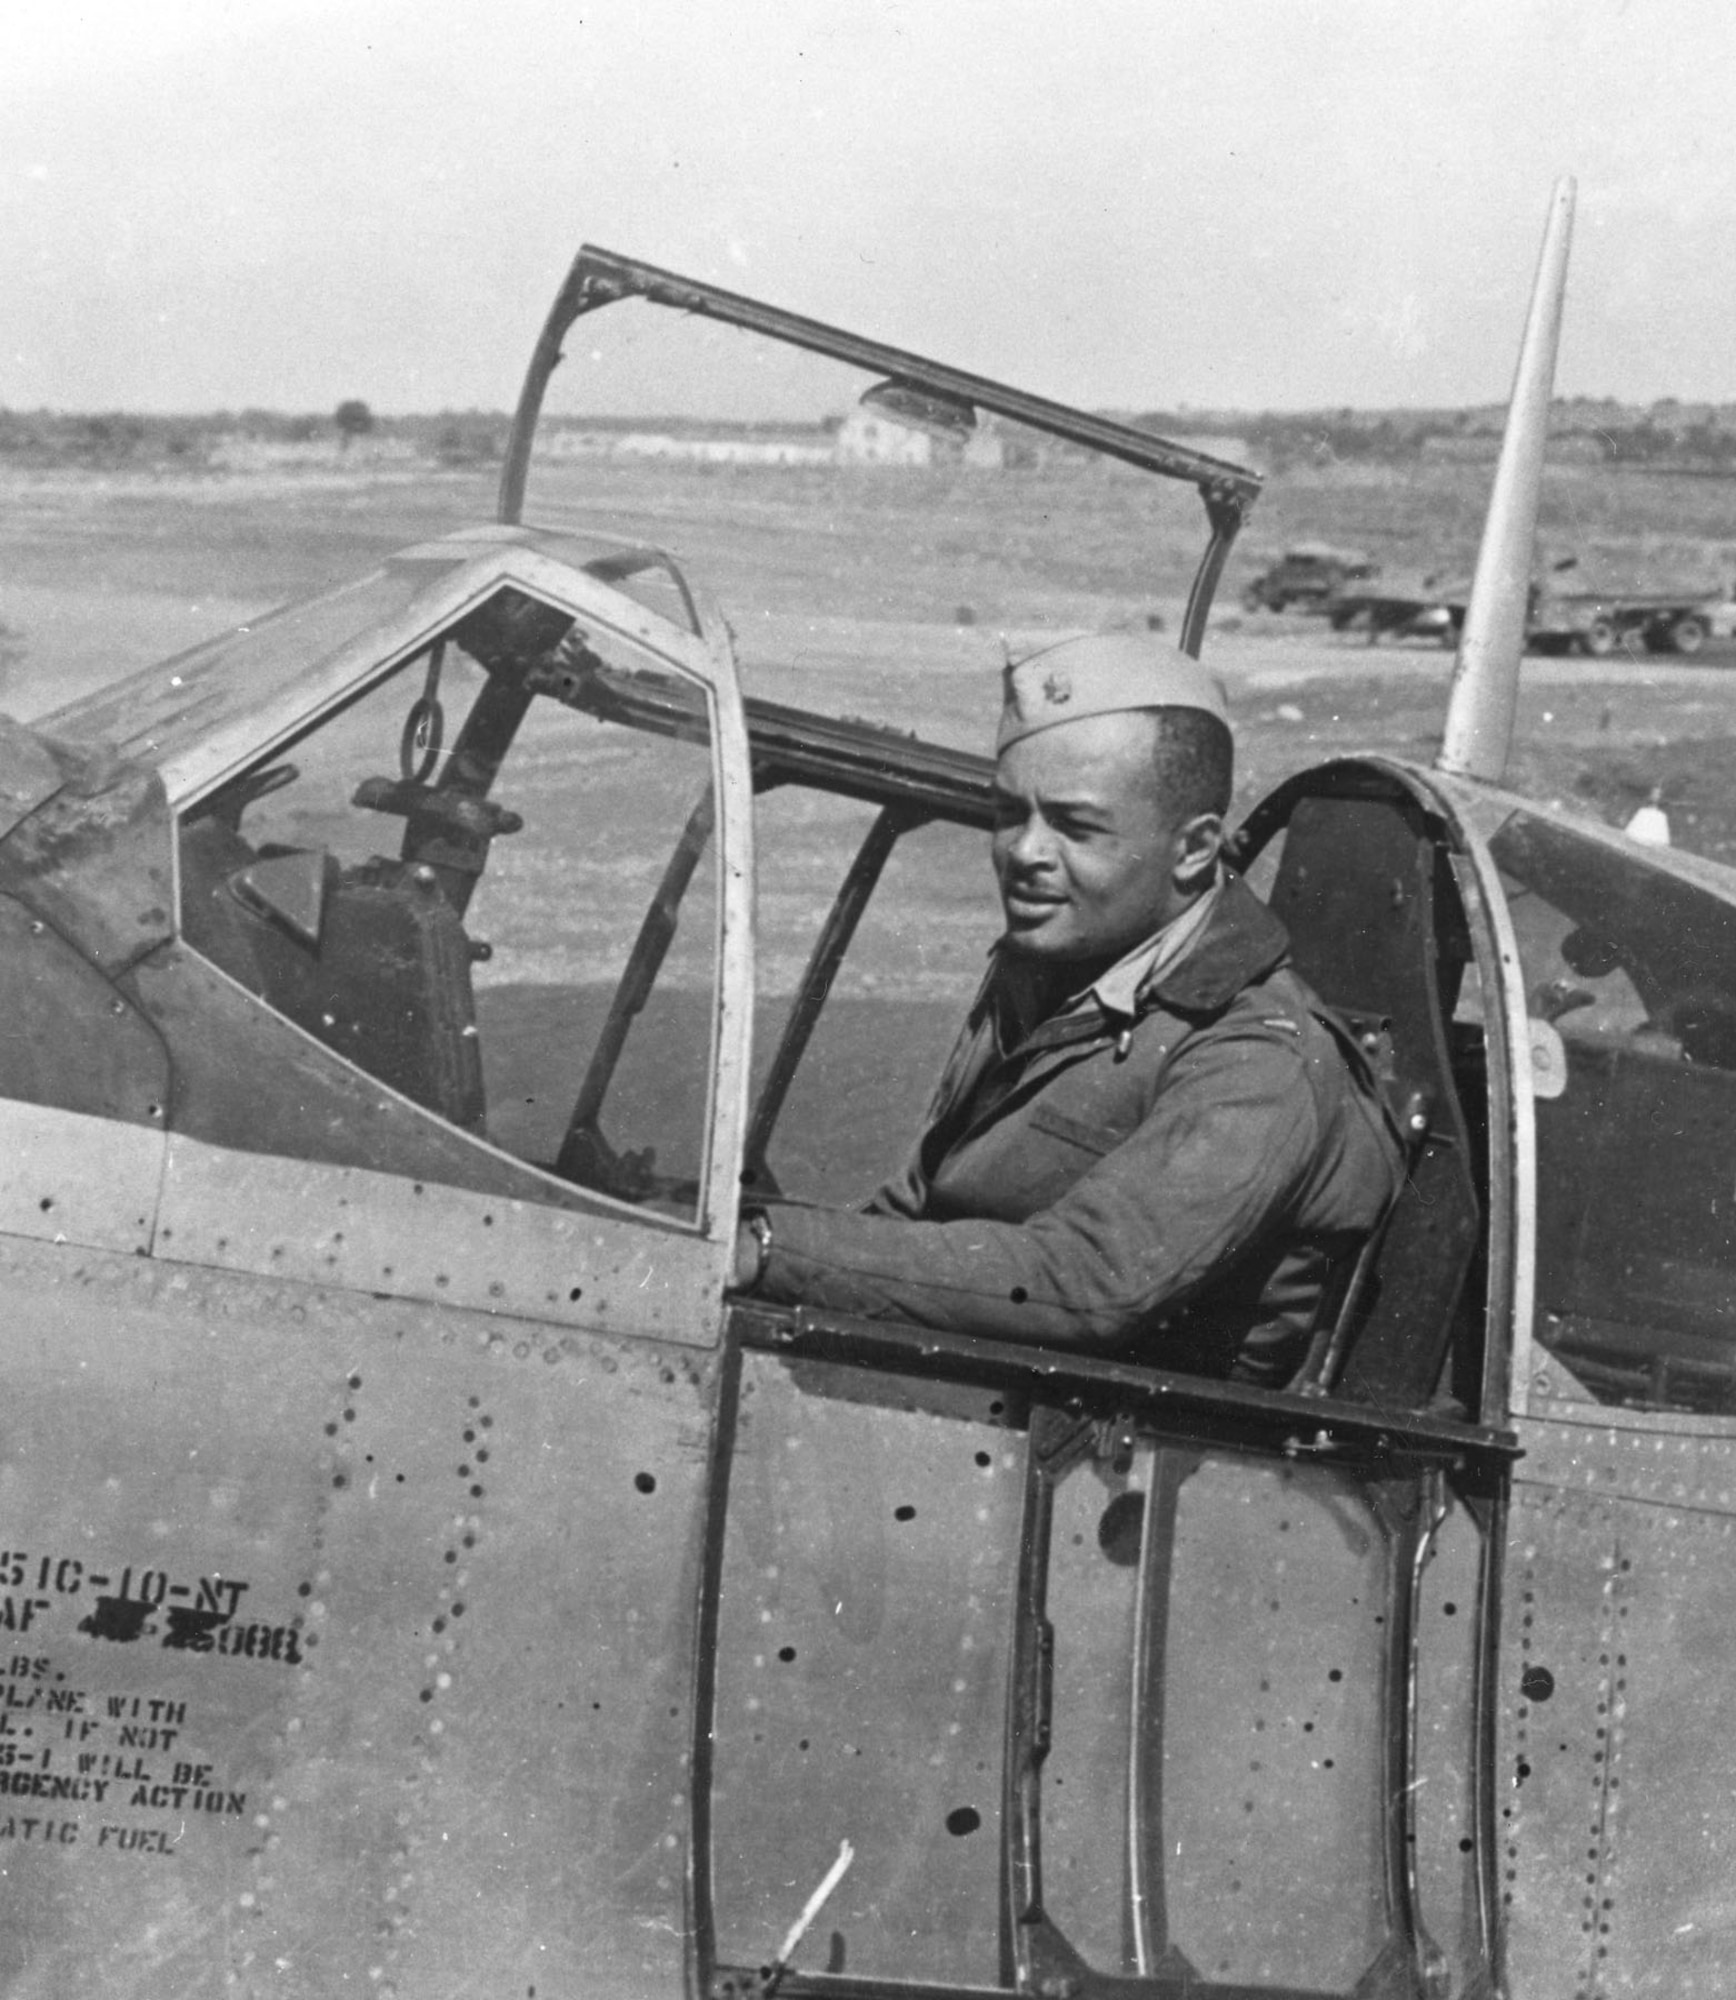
[[1175, 1186]]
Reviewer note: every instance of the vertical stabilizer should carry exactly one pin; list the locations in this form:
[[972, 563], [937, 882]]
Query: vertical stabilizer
[[1479, 730]]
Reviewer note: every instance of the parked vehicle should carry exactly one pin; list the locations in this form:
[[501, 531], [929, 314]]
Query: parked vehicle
[[1404, 607], [1671, 620], [1675, 618], [1306, 576]]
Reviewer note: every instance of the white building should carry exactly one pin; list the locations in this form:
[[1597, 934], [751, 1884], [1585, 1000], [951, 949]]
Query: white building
[[867, 438], [722, 451]]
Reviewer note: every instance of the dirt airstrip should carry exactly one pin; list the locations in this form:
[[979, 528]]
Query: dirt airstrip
[[894, 594], [889, 595]]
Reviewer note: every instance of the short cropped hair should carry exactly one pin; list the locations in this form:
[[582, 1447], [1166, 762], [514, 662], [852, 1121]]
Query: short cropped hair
[[1193, 761]]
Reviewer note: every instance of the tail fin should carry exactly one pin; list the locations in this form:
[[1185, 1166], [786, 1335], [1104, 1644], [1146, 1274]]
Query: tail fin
[[1485, 692]]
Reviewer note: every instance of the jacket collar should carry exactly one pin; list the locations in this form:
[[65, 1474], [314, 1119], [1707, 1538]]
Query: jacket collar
[[1242, 942]]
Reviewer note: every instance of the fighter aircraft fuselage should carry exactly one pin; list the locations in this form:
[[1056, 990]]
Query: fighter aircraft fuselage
[[422, 1575]]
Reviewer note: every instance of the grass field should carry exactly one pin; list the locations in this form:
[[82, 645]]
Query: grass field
[[889, 593]]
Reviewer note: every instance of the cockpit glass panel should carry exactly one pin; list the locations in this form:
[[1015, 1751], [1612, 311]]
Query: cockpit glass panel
[[1092, 1606], [490, 883], [1088, 1702], [650, 577], [1222, 1809], [1630, 982]]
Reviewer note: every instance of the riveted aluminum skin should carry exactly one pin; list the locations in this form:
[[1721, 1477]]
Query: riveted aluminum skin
[[1616, 1709], [316, 1676]]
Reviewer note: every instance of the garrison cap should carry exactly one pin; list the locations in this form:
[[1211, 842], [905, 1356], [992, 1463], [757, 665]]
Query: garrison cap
[[1102, 673]]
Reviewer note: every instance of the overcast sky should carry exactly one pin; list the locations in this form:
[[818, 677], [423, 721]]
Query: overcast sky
[[1122, 203]]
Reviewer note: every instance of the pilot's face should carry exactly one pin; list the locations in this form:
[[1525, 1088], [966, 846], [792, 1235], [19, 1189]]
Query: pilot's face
[[1089, 857]]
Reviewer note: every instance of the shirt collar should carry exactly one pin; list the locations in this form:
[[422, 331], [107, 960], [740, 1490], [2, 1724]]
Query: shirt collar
[[1117, 991], [1233, 940]]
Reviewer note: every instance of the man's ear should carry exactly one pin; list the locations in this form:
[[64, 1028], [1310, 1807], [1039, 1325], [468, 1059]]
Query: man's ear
[[1198, 842]]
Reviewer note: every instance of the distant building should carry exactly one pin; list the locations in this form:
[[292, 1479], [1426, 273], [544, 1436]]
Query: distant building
[[236, 452], [867, 438], [566, 442], [722, 450]]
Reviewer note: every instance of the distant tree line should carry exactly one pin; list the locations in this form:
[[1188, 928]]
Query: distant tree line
[[46, 437], [1596, 429], [1694, 436], [117, 438]]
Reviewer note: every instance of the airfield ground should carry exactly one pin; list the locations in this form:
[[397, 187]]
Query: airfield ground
[[888, 593]]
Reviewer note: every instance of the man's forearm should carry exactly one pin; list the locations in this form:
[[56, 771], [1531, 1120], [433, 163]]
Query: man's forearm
[[1146, 1229]]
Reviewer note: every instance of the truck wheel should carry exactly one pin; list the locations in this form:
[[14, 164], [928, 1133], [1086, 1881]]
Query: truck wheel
[[1688, 634], [1599, 638]]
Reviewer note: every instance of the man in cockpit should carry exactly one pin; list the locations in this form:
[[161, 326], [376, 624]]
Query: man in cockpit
[[1150, 1138]]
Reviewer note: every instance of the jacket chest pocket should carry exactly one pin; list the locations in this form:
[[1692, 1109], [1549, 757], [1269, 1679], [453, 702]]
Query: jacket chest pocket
[[1081, 1135], [1019, 1166], [1091, 1108], [1034, 1152], [1055, 1150]]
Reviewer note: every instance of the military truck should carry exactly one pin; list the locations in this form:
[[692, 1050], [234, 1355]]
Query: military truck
[[1672, 620], [1306, 577]]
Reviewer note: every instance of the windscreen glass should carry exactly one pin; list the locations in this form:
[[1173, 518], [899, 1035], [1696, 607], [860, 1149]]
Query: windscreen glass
[[490, 884]]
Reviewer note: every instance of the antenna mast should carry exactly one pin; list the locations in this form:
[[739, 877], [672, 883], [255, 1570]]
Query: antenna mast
[[1485, 691]]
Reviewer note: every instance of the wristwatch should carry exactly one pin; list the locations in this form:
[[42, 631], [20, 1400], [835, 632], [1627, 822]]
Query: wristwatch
[[760, 1229]]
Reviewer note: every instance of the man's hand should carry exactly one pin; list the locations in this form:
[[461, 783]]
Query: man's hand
[[753, 1244]]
